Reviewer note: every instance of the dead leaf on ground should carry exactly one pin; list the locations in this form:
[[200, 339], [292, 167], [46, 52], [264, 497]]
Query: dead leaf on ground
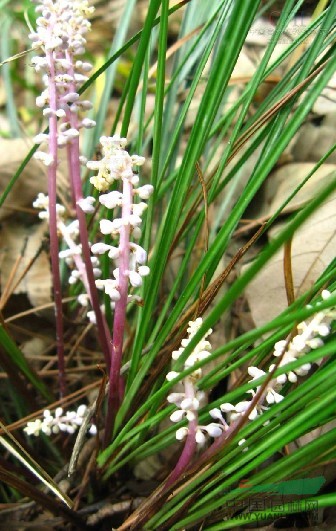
[[326, 102], [34, 350], [286, 179], [30, 183], [37, 282], [313, 248], [314, 141]]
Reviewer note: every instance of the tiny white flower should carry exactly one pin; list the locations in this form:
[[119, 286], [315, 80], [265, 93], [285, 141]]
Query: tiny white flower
[[60, 113], [135, 279], [241, 443], [213, 429], [40, 138], [176, 398], [177, 353], [46, 158], [87, 204], [137, 160], [139, 208], [143, 271], [93, 165], [83, 299], [255, 372], [145, 191], [100, 248], [181, 433], [323, 329], [325, 294], [136, 232], [58, 412], [111, 200], [114, 253], [177, 415], [76, 250], [92, 317], [71, 133], [93, 429], [200, 437], [171, 375], [97, 272], [106, 226], [215, 413], [88, 123], [272, 397], [134, 220], [71, 97]]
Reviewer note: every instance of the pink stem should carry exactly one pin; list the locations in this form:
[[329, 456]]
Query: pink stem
[[77, 193], [186, 455], [54, 246], [104, 335], [190, 444], [119, 320]]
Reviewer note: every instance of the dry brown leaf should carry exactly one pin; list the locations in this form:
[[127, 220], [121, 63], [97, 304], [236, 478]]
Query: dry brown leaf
[[260, 32], [37, 282], [314, 141], [263, 29], [244, 67], [326, 102], [287, 178], [328, 471], [313, 248], [31, 182], [34, 349]]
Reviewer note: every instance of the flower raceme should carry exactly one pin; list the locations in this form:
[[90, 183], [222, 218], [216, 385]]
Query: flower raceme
[[129, 257], [123, 231], [120, 164], [190, 400], [60, 34], [310, 336], [67, 422]]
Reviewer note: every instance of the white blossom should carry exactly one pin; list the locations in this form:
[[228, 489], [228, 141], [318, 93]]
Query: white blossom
[[117, 165], [191, 399], [100, 248], [144, 192], [87, 204], [46, 158], [61, 28], [67, 422], [111, 200]]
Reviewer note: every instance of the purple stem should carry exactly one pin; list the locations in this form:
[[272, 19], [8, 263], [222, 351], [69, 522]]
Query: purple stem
[[190, 444], [77, 194], [103, 333], [186, 455], [54, 247], [119, 320]]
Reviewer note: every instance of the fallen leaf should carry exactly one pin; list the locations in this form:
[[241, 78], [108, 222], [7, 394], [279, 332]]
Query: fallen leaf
[[36, 283], [32, 180], [286, 179], [326, 102], [313, 141], [313, 248]]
